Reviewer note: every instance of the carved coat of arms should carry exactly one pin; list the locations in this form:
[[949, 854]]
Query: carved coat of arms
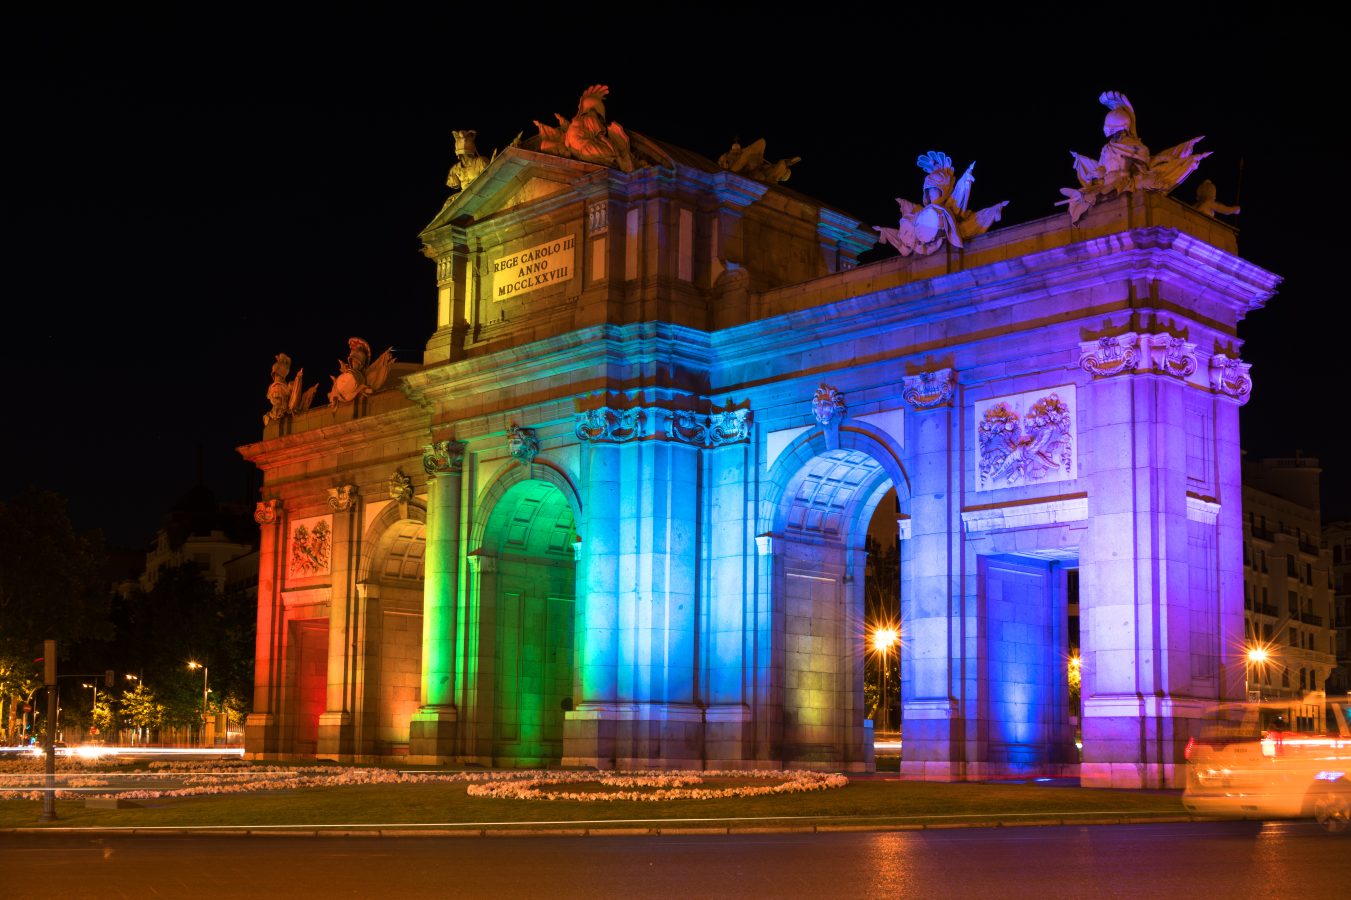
[[1018, 449], [311, 548]]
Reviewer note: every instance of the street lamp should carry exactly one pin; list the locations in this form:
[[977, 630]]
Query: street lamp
[[94, 708], [1257, 658], [197, 665], [883, 640]]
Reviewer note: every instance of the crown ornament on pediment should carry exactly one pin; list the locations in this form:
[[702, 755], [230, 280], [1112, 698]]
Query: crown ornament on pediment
[[265, 512], [340, 498], [928, 390], [1229, 376], [1135, 352], [522, 444], [444, 458]]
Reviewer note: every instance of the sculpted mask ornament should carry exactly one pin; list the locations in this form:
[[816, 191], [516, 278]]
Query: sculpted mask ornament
[[942, 215], [930, 389], [606, 425], [1017, 452], [586, 136], [1229, 376], [828, 405], [1110, 355], [444, 457], [750, 161], [358, 376], [400, 488], [265, 513], [287, 397], [714, 430], [523, 444], [1125, 164], [340, 498]]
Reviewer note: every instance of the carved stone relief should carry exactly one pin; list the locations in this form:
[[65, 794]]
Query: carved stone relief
[[1026, 438], [607, 425], [340, 498], [1229, 376], [265, 512], [1132, 352], [523, 444], [713, 430], [929, 389], [310, 547], [444, 457]]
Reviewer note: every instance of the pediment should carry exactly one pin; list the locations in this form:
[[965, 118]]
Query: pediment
[[517, 176]]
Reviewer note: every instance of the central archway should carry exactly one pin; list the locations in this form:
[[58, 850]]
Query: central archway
[[529, 616], [827, 499]]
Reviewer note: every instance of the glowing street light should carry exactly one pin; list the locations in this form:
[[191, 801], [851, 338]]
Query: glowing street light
[[192, 664], [883, 640], [1257, 659]]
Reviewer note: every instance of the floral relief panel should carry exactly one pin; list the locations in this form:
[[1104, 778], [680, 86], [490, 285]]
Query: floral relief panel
[[309, 547], [1026, 438]]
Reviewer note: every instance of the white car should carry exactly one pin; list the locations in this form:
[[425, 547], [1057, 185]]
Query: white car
[[1275, 758]]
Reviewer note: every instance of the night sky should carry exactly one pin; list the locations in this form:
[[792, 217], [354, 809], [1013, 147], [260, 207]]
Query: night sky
[[185, 199]]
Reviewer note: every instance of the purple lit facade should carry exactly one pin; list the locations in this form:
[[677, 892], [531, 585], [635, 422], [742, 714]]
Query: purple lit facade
[[645, 445]]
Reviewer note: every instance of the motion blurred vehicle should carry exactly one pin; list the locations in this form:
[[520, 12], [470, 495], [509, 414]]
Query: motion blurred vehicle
[[1283, 758]]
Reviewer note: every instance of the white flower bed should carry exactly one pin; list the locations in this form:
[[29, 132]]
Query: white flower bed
[[669, 786], [528, 784]]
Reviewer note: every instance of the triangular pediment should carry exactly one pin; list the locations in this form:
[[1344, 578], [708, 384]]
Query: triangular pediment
[[515, 177]]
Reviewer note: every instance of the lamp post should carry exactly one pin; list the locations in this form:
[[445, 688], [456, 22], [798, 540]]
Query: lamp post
[[197, 665], [883, 640], [94, 708], [1257, 659]]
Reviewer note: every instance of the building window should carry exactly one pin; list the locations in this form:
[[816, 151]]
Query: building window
[[1292, 600]]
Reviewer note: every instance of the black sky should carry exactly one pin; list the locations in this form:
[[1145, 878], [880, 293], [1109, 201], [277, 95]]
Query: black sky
[[186, 198]]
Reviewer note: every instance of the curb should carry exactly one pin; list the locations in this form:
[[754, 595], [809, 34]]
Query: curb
[[654, 831]]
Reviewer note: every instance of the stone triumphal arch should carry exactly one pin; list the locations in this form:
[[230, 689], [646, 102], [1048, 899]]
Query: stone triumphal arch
[[617, 514]]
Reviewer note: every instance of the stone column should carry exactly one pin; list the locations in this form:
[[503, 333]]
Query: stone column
[[261, 737], [1137, 687], [337, 733], [938, 684], [433, 730]]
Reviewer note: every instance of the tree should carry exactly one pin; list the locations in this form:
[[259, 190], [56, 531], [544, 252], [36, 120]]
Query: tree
[[51, 587], [51, 584], [142, 710]]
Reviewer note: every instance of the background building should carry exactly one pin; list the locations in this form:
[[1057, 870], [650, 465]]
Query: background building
[[1288, 582], [1337, 538]]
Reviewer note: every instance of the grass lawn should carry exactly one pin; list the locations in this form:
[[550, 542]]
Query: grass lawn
[[447, 805]]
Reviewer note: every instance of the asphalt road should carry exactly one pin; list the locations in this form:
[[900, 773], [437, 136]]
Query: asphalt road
[[1230, 859]]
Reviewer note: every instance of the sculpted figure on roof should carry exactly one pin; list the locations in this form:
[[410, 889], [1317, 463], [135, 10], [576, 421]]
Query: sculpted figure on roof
[[942, 215], [750, 161], [587, 136], [469, 163], [1125, 164]]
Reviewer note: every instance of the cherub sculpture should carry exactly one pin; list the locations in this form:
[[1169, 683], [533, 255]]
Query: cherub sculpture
[[1207, 205], [469, 164], [358, 376], [1125, 164], [943, 214], [586, 136], [287, 397], [750, 161]]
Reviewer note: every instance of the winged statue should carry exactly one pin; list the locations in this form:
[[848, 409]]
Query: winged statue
[[358, 376], [750, 161], [287, 397], [944, 214], [1125, 164], [587, 136]]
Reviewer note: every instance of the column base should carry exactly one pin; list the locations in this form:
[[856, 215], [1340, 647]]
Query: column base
[[433, 735], [634, 736], [262, 736], [335, 737]]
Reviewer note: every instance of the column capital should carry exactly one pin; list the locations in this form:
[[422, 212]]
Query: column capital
[[444, 457]]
